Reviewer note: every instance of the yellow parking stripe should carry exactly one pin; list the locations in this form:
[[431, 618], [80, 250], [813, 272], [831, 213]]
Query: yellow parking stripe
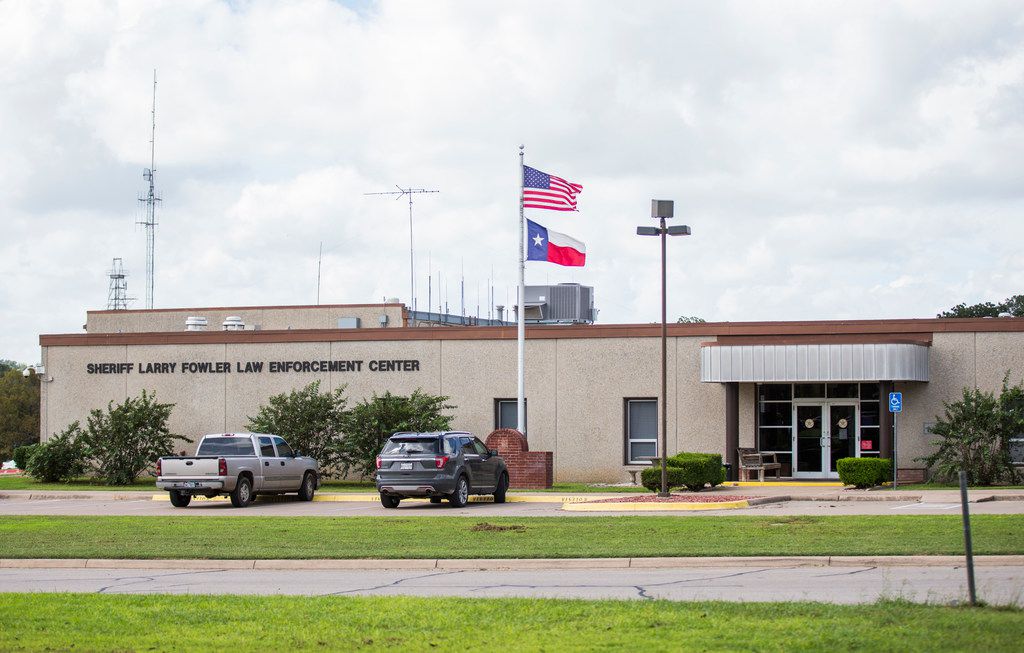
[[647, 507]]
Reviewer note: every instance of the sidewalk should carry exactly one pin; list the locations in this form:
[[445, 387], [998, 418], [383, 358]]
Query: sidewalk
[[486, 564]]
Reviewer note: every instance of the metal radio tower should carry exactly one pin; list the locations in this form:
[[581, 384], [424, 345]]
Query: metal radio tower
[[150, 201], [117, 295], [412, 270]]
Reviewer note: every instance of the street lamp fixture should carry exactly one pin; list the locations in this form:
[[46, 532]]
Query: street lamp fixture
[[662, 210]]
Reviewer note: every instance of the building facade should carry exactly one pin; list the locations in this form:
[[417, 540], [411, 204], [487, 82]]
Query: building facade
[[811, 392]]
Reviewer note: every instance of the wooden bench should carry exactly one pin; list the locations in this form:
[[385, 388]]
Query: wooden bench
[[751, 460]]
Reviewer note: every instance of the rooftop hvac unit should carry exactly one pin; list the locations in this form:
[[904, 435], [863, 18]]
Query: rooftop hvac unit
[[233, 323], [195, 323], [565, 303]]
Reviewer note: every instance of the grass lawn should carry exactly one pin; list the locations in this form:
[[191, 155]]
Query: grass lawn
[[19, 482], [43, 622], [34, 536]]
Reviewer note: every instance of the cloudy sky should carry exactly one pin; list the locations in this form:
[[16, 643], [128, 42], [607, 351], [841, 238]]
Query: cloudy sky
[[834, 160]]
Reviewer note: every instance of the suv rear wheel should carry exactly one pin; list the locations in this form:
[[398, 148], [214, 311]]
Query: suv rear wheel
[[389, 501], [460, 497], [499, 492]]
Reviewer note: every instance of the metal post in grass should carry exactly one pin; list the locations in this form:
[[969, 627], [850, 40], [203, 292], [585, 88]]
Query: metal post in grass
[[967, 538]]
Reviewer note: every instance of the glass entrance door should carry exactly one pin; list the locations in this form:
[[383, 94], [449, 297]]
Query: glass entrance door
[[808, 443], [823, 433]]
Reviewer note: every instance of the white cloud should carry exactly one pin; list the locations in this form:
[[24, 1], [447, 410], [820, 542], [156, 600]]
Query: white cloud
[[834, 160]]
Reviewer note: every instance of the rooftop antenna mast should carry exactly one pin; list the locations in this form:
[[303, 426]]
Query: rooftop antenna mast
[[117, 294], [150, 201], [412, 270]]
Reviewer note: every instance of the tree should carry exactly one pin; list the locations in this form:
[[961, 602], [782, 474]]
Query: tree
[[6, 365], [690, 320], [1013, 305], [125, 439], [19, 409], [370, 423], [975, 435], [312, 422]]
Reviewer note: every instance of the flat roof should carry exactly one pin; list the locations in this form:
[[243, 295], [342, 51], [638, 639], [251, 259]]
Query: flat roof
[[908, 331]]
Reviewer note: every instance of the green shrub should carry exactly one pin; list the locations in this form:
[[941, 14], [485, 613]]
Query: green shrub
[[127, 438], [690, 470], [864, 472], [650, 478], [311, 421], [59, 459], [22, 455]]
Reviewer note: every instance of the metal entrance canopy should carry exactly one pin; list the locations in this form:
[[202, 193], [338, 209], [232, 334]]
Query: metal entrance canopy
[[813, 362]]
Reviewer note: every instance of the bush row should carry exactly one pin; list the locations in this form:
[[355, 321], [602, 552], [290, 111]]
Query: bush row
[[864, 472], [693, 471]]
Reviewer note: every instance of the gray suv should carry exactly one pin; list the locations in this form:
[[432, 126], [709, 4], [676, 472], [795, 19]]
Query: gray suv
[[449, 465]]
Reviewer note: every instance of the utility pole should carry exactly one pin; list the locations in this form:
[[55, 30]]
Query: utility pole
[[150, 201]]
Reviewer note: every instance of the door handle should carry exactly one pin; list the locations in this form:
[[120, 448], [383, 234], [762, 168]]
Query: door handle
[[282, 463], [266, 463]]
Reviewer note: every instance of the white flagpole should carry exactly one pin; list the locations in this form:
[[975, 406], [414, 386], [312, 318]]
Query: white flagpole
[[521, 397]]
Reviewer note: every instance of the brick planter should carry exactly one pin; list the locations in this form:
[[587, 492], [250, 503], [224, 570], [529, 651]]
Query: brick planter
[[526, 469]]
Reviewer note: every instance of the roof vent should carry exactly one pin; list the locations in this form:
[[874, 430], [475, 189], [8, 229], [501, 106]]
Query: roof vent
[[391, 300], [233, 323], [195, 323], [1005, 315]]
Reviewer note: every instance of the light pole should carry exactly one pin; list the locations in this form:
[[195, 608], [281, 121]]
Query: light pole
[[662, 209]]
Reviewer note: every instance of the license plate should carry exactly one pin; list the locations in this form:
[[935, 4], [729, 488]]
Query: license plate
[[193, 484], [406, 466]]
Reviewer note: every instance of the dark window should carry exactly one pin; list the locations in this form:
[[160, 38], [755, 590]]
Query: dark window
[[226, 447], [842, 390], [772, 414], [283, 450], [467, 446], [775, 392], [869, 391], [641, 430], [480, 447], [505, 414], [451, 446], [869, 413], [809, 390], [770, 439], [267, 448]]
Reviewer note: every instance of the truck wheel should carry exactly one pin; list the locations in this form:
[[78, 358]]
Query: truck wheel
[[241, 496], [180, 499], [388, 501], [460, 497], [308, 488], [499, 493]]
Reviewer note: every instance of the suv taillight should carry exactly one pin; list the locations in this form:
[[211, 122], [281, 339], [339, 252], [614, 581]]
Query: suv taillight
[[159, 468], [222, 467], [378, 462], [441, 461]]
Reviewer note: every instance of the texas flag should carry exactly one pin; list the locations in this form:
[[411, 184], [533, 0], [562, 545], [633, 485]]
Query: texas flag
[[542, 244]]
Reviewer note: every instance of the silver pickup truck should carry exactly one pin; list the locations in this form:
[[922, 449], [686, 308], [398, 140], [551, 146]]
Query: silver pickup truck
[[240, 465]]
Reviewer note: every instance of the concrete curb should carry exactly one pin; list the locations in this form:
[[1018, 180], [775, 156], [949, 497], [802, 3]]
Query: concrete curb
[[518, 563]]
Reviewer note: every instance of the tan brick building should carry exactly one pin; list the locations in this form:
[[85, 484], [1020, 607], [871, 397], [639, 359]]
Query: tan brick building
[[810, 391]]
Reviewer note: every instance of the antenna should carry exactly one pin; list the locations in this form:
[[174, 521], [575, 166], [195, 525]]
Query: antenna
[[117, 293], [150, 200], [412, 270], [319, 261]]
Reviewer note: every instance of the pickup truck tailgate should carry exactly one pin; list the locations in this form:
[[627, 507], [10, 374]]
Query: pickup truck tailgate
[[188, 467]]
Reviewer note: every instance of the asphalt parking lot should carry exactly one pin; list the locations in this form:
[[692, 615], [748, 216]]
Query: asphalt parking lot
[[145, 504]]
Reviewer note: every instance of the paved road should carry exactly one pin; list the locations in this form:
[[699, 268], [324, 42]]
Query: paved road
[[145, 505], [998, 585]]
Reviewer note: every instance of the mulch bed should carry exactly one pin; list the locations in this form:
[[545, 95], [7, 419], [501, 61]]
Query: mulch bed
[[675, 498]]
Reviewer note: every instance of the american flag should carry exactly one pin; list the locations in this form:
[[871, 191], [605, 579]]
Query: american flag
[[544, 191]]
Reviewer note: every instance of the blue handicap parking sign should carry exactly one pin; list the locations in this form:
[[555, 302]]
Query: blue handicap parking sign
[[895, 402]]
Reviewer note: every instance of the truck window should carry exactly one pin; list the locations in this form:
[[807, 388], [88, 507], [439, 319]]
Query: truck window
[[226, 447], [283, 450], [267, 448]]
